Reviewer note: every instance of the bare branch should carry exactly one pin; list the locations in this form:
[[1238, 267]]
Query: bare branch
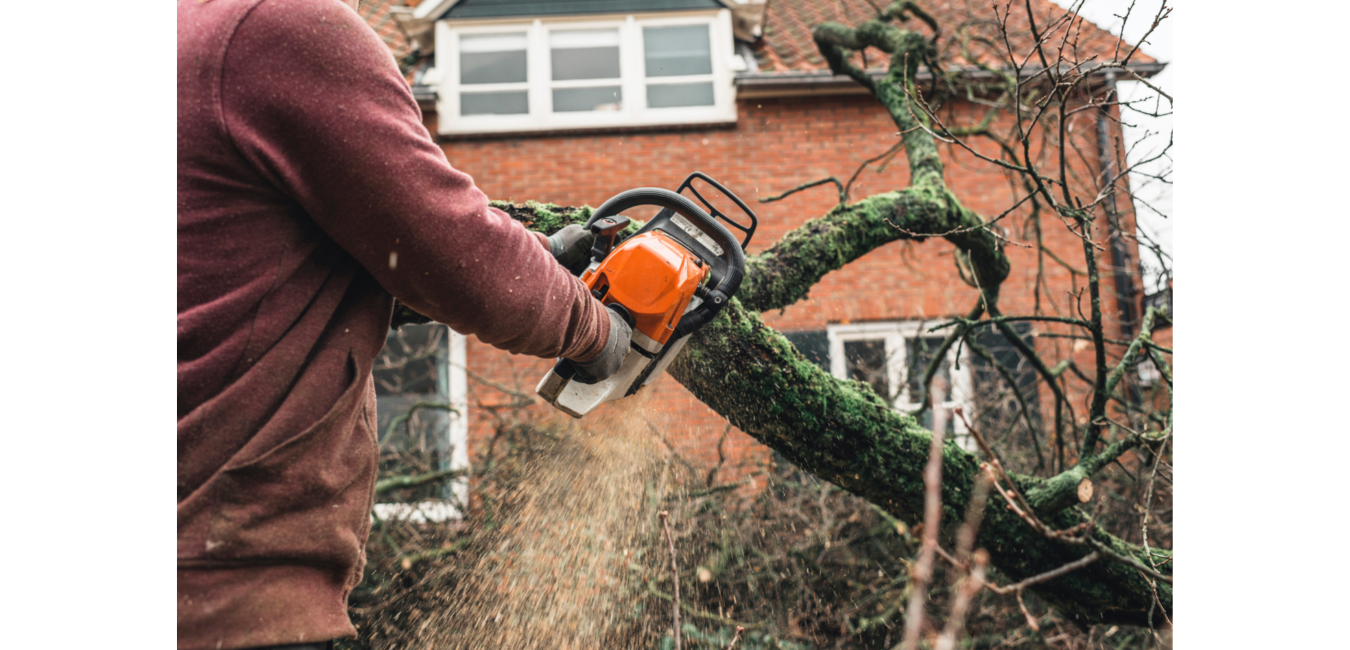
[[674, 576]]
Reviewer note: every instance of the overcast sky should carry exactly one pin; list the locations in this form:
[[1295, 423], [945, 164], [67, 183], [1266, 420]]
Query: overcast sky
[[1106, 14]]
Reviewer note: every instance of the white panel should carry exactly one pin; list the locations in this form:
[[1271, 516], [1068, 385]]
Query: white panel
[[541, 98], [459, 420], [630, 62], [583, 38], [492, 42]]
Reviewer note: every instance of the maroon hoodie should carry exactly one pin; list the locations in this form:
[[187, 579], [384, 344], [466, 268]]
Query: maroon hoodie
[[309, 192]]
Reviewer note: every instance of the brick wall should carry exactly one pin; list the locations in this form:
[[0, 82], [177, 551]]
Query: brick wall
[[778, 144]]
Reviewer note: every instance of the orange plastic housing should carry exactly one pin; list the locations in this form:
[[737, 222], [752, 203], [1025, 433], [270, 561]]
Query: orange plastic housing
[[653, 277]]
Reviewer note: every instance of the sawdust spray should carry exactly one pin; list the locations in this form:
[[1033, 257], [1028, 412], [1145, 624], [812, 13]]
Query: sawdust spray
[[566, 569]]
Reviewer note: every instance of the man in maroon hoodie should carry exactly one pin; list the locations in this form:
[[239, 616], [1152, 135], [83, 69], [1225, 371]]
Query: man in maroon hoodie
[[309, 196]]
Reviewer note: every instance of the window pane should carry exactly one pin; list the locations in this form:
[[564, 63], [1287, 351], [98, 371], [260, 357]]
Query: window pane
[[674, 95], [814, 345], [865, 361], [996, 406], [506, 103], [674, 51], [606, 98], [491, 58], [919, 352], [413, 361], [413, 369], [590, 54]]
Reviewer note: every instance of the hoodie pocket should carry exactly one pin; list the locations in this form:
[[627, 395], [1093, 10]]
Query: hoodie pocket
[[305, 499]]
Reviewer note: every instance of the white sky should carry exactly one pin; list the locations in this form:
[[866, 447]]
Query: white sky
[[1106, 14]]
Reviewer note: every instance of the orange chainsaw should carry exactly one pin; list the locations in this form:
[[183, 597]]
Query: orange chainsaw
[[667, 280]]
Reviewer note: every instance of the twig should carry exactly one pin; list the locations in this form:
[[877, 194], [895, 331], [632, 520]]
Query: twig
[[966, 229], [395, 482], [964, 595], [736, 638], [932, 520], [403, 418], [807, 186], [971, 584], [721, 457], [1005, 319], [674, 575], [1019, 505], [1017, 392], [1031, 620], [1048, 575], [520, 396], [940, 354]]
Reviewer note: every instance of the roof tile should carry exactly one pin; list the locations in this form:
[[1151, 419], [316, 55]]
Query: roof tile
[[787, 45], [378, 15]]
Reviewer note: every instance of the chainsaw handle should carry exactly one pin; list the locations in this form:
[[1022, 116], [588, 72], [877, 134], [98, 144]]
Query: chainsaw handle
[[733, 258]]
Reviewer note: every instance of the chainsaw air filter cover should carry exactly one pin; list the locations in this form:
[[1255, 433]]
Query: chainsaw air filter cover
[[653, 277]]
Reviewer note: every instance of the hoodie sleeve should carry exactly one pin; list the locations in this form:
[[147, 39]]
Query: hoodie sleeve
[[314, 100]]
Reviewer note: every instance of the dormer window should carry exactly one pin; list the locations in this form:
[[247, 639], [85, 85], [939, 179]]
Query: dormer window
[[575, 72]]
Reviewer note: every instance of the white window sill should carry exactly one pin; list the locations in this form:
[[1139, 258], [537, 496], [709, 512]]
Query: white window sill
[[422, 512]]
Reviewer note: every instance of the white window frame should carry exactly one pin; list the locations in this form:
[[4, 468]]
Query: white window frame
[[458, 393], [632, 69], [896, 333]]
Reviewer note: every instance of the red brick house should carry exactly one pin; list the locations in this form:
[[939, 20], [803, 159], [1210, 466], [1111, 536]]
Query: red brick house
[[573, 101]]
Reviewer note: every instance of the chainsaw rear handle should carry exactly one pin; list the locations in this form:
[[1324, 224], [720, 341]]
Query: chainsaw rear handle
[[726, 272]]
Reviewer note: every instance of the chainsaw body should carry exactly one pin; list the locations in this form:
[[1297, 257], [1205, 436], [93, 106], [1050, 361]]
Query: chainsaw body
[[667, 280]]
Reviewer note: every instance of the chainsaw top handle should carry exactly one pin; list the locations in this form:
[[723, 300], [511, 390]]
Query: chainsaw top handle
[[726, 267]]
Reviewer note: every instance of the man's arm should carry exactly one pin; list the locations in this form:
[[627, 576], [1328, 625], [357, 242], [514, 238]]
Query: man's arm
[[314, 100]]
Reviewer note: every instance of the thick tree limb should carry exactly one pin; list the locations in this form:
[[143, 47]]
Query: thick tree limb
[[843, 432]]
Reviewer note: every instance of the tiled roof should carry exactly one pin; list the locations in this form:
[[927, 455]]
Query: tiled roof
[[787, 45], [378, 15]]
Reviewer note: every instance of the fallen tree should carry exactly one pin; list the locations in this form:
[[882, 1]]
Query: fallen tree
[[845, 433]]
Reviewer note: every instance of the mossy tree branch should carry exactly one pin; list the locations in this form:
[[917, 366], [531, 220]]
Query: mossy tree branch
[[844, 433], [841, 430]]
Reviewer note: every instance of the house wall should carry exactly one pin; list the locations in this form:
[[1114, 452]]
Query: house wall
[[777, 144]]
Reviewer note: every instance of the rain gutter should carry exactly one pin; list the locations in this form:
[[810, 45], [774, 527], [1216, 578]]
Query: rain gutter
[[810, 82]]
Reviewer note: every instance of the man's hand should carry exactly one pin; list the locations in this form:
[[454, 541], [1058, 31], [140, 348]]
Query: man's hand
[[571, 246], [616, 348]]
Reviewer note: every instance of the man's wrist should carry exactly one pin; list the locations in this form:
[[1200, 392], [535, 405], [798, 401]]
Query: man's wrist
[[602, 337]]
